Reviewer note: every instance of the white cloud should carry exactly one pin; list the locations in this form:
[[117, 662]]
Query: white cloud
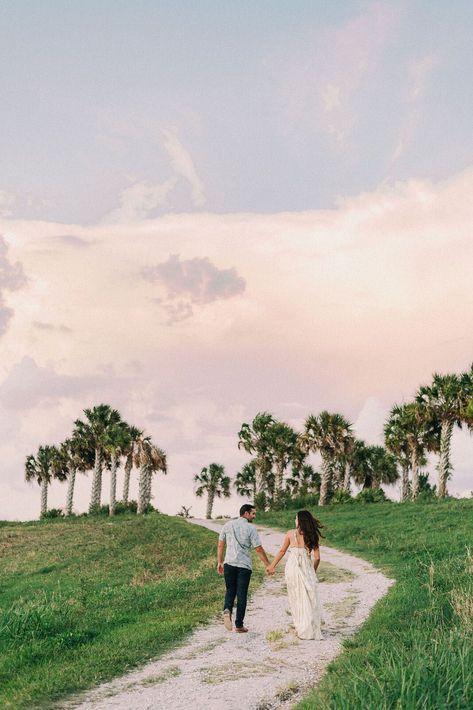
[[7, 200], [141, 198], [418, 75], [321, 80], [183, 166], [331, 97], [12, 278]]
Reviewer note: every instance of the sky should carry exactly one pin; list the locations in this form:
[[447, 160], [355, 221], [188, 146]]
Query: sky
[[209, 210]]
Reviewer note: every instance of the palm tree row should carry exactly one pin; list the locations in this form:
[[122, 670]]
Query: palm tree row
[[278, 449], [412, 430], [426, 425], [279, 470], [101, 441]]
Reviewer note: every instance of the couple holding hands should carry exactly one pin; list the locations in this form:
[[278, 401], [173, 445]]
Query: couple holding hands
[[239, 536]]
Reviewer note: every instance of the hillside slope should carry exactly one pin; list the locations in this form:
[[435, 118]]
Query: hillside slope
[[416, 649], [82, 600]]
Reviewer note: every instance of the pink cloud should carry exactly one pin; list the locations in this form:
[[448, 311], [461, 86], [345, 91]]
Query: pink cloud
[[347, 309]]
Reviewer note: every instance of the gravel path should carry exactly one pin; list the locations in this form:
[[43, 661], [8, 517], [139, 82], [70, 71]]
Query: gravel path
[[264, 669]]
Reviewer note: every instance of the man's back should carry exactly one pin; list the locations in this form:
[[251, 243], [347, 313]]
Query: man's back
[[240, 537]]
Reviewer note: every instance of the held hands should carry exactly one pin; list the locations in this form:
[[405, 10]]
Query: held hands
[[270, 570], [220, 568]]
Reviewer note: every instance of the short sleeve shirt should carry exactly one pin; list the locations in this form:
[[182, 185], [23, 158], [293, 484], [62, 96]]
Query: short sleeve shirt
[[240, 537]]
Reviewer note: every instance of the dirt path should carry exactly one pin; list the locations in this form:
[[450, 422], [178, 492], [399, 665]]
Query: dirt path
[[264, 669]]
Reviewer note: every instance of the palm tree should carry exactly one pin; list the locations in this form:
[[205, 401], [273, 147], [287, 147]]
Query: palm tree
[[129, 452], [442, 402], [304, 480], [420, 433], [213, 481], [327, 433], [77, 458], [383, 467], [466, 386], [283, 445], [43, 468], [117, 440], [93, 433], [375, 465], [256, 438], [352, 459], [396, 443], [245, 481], [148, 458]]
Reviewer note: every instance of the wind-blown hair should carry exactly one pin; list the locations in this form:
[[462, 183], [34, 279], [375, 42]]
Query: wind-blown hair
[[309, 527]]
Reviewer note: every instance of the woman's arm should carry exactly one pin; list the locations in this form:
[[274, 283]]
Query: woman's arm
[[316, 558], [280, 554]]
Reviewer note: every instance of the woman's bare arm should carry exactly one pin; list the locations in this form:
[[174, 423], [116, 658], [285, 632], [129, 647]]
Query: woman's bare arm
[[280, 555], [316, 558]]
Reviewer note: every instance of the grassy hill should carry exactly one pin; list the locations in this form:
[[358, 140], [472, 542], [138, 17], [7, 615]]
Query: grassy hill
[[83, 600], [416, 649]]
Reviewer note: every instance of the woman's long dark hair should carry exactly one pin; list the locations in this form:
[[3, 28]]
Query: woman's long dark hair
[[309, 528]]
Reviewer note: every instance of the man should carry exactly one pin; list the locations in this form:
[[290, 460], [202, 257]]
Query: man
[[239, 536]]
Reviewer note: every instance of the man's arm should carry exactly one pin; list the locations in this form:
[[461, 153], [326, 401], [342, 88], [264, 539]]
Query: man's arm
[[262, 555], [220, 553]]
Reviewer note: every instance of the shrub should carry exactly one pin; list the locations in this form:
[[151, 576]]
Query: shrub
[[52, 513], [260, 501], [130, 507], [342, 497], [371, 495], [185, 512]]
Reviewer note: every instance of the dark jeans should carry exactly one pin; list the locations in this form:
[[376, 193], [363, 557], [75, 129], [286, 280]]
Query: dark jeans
[[237, 580]]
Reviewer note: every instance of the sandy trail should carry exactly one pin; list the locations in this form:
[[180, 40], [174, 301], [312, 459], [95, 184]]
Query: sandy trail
[[264, 669]]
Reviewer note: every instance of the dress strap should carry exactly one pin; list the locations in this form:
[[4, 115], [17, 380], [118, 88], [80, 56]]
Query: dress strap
[[295, 539]]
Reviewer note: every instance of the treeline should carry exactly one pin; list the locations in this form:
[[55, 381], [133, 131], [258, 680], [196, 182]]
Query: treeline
[[100, 442], [279, 470]]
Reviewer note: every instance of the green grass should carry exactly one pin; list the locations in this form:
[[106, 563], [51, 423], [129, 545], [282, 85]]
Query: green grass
[[415, 652], [84, 600]]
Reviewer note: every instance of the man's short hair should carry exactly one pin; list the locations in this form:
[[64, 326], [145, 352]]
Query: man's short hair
[[247, 508]]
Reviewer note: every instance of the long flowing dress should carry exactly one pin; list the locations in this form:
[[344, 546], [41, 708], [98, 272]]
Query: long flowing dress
[[303, 593]]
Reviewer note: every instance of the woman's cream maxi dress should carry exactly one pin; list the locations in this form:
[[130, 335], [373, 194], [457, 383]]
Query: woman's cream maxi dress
[[302, 589]]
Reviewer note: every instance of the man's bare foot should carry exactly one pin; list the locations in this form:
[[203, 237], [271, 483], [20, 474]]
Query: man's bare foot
[[241, 630], [227, 619]]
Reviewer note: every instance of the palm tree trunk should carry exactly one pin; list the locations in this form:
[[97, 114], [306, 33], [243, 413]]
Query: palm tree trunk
[[113, 484], [404, 484], [96, 483], [210, 504], [44, 496], [70, 489], [325, 480], [444, 460], [279, 479], [126, 480], [149, 482], [142, 486], [346, 478], [376, 484], [415, 473], [260, 477]]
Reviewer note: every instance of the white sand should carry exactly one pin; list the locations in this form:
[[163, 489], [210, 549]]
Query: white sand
[[260, 670]]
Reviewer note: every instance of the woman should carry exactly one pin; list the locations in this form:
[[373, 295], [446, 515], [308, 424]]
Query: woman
[[302, 584]]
